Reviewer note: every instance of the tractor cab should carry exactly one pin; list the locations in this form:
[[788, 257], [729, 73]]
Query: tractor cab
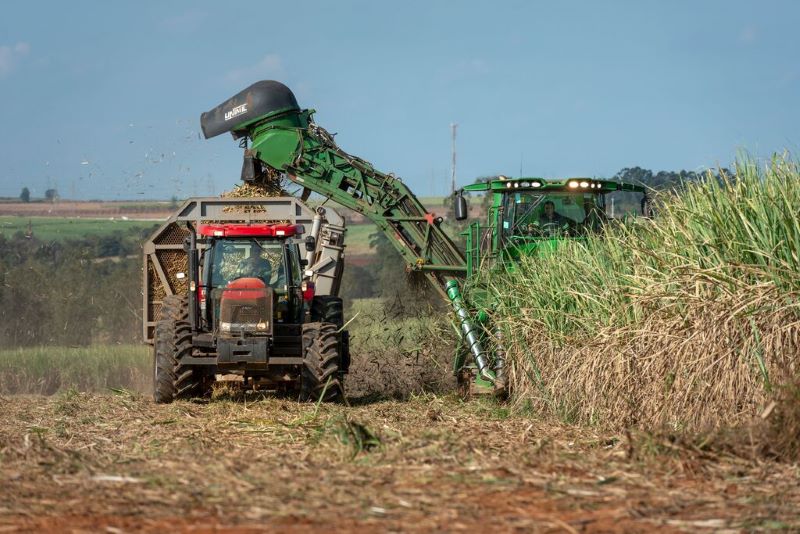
[[529, 216], [251, 278]]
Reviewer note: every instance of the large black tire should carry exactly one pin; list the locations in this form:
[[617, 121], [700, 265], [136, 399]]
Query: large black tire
[[173, 340], [321, 363], [327, 309], [330, 309]]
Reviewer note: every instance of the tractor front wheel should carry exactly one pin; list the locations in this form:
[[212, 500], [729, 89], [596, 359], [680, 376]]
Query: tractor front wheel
[[173, 340]]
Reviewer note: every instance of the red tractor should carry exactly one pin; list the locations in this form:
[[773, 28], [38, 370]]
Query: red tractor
[[249, 309]]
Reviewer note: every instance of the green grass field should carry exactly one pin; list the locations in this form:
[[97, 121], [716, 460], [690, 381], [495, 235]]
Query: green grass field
[[48, 370], [64, 228], [393, 355], [357, 239], [435, 202]]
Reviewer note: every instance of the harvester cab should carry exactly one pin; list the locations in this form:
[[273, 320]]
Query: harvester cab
[[530, 216]]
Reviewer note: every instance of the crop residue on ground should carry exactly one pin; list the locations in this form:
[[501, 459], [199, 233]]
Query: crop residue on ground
[[431, 463]]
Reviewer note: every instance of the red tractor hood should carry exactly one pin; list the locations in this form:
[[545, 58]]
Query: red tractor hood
[[244, 288]]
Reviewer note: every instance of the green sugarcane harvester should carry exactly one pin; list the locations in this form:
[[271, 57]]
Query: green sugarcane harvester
[[525, 216]]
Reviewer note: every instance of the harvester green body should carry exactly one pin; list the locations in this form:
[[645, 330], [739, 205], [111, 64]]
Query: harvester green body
[[283, 139]]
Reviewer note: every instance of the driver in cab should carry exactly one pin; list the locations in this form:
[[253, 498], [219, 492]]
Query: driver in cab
[[551, 223], [255, 267], [550, 217]]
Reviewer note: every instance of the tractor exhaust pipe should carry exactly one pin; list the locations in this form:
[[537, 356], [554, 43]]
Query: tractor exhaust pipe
[[315, 226], [469, 331]]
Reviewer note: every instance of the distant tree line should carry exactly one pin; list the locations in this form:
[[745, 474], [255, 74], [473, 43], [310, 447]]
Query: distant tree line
[[665, 180], [50, 195], [70, 293]]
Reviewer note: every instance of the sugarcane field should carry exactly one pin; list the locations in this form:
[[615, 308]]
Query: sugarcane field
[[399, 268]]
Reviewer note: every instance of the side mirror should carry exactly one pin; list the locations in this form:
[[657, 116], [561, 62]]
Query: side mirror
[[311, 244], [460, 206]]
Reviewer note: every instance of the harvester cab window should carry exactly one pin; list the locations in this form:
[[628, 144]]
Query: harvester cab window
[[539, 214]]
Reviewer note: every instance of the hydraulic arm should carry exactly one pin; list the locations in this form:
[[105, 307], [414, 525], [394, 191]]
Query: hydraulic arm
[[285, 138]]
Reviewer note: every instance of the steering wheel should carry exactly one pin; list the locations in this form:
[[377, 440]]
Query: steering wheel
[[531, 229], [557, 229]]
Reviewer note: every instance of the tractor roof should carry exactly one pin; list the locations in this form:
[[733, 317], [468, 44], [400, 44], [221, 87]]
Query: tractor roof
[[251, 230], [592, 185]]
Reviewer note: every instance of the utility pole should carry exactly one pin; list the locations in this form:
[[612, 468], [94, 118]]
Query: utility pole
[[453, 128]]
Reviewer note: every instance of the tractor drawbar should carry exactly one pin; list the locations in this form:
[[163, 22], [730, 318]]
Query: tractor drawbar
[[469, 331]]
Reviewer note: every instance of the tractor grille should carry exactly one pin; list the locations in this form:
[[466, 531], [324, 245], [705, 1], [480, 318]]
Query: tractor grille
[[248, 310], [247, 314]]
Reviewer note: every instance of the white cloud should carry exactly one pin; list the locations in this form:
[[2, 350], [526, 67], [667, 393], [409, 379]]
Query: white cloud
[[10, 56], [748, 35], [270, 66]]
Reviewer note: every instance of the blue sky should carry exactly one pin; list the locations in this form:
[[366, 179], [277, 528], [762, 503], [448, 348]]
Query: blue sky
[[103, 99]]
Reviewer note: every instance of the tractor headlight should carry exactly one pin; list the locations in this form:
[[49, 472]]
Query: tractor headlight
[[573, 185], [584, 184]]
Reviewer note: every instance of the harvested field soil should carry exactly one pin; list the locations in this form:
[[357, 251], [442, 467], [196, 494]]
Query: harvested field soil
[[132, 210], [88, 462]]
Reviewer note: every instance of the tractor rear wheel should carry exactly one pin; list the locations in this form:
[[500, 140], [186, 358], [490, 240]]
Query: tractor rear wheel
[[327, 309], [173, 340], [320, 376]]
